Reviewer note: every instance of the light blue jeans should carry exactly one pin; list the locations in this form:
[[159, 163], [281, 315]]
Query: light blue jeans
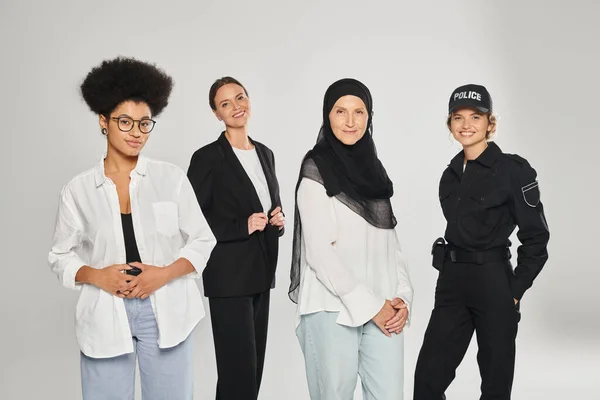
[[336, 355], [165, 374]]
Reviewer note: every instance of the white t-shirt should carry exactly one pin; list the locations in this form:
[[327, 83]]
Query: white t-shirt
[[251, 163]]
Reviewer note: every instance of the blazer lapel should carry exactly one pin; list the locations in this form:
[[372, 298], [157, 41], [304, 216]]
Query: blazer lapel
[[270, 238], [246, 184], [269, 170]]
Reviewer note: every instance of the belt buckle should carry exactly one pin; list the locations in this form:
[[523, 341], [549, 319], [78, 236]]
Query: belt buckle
[[453, 256]]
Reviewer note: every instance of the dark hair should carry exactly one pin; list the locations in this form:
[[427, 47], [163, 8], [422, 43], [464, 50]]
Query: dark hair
[[219, 83], [124, 78]]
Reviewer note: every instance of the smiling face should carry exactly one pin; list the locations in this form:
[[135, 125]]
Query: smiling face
[[348, 119], [127, 143], [232, 105], [470, 127]]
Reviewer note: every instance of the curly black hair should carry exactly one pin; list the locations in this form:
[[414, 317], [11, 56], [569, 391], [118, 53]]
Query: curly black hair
[[124, 78]]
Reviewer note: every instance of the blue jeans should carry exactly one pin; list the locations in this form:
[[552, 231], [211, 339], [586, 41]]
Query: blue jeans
[[164, 373], [336, 355]]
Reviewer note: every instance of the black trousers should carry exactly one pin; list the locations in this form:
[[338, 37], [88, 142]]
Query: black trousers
[[240, 335], [470, 297]]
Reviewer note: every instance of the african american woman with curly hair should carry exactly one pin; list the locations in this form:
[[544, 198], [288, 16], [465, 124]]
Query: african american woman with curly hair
[[131, 238]]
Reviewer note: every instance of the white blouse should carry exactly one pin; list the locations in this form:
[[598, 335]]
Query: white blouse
[[168, 224], [251, 163], [347, 264]]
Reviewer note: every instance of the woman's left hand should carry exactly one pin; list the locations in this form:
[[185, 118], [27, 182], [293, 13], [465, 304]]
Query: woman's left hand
[[149, 281], [397, 322], [277, 218]]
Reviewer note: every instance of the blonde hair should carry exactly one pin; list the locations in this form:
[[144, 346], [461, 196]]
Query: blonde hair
[[492, 120]]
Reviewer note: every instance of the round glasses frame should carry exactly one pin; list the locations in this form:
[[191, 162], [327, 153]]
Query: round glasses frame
[[133, 121]]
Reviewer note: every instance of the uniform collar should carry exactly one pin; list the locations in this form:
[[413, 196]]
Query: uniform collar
[[487, 158], [489, 155], [141, 168]]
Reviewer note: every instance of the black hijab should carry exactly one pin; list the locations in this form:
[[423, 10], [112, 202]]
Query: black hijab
[[351, 173]]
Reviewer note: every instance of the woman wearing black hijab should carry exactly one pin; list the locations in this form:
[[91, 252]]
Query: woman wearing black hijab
[[348, 275]]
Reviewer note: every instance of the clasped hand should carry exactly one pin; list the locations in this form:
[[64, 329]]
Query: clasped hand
[[258, 221], [392, 317], [114, 280]]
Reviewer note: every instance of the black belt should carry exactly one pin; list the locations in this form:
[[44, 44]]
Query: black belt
[[478, 257], [442, 251]]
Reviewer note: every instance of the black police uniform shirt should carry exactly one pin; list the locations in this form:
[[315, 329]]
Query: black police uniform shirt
[[486, 200]]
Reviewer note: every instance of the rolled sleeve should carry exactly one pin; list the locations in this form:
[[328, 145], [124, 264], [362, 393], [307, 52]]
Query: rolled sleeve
[[63, 258], [199, 239]]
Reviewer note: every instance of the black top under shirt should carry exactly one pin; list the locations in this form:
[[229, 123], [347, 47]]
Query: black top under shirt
[[131, 251], [484, 203]]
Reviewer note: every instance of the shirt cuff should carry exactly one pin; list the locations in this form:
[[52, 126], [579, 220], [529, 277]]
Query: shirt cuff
[[518, 287], [359, 306], [197, 260], [68, 275]]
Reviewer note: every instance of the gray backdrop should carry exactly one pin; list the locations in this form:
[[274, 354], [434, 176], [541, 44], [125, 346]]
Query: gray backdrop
[[539, 59]]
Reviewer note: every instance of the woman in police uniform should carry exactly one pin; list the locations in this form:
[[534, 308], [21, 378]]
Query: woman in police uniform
[[484, 194]]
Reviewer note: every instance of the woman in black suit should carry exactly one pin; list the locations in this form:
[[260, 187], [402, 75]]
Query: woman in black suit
[[235, 183]]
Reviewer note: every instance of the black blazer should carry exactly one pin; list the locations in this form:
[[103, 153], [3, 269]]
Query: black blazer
[[240, 264]]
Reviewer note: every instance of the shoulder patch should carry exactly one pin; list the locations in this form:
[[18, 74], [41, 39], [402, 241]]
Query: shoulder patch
[[531, 194]]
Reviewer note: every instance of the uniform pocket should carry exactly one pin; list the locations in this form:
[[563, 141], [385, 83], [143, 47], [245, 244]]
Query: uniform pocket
[[488, 213], [490, 200], [166, 217], [510, 277], [443, 195]]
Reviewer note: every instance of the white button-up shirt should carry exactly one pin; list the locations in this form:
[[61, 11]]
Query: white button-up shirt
[[168, 225], [347, 264]]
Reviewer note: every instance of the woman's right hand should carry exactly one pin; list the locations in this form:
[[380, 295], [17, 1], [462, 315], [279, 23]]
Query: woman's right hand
[[112, 279], [397, 323], [383, 316], [257, 222]]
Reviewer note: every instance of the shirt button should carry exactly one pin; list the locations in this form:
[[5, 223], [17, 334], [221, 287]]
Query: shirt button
[[482, 199], [459, 199]]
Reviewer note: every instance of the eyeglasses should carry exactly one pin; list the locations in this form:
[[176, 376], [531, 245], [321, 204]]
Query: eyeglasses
[[126, 124]]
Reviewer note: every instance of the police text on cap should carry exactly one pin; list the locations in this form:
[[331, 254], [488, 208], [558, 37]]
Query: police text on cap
[[467, 95]]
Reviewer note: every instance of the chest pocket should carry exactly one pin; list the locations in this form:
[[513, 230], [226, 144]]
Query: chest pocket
[[166, 217], [488, 212], [490, 200], [445, 194]]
